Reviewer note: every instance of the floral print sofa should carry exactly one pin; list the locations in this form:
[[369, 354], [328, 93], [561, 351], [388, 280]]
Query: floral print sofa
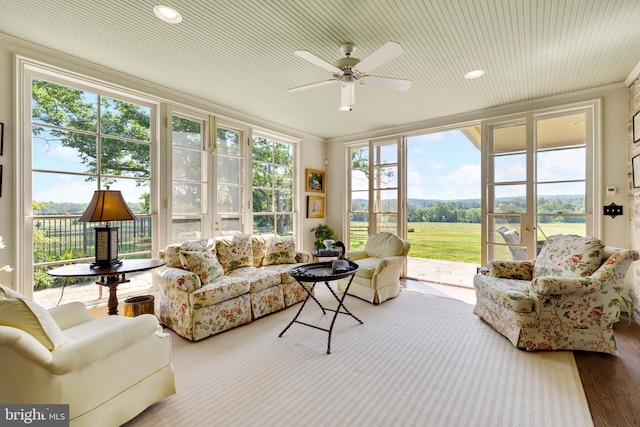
[[209, 286], [565, 299]]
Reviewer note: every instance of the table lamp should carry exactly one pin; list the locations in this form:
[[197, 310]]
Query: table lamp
[[107, 205]]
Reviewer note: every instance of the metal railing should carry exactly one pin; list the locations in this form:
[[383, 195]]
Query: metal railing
[[65, 238]]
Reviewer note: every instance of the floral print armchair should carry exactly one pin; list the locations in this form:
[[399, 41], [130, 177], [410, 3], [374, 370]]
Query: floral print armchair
[[565, 299]]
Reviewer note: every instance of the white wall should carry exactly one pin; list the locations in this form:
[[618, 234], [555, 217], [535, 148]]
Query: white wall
[[615, 155]]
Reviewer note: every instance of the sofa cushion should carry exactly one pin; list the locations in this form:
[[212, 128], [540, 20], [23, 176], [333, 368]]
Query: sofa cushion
[[367, 266], [172, 252], [280, 253], [510, 293], [221, 289], [204, 264], [569, 256], [235, 252], [259, 279], [283, 270], [20, 312], [384, 244]]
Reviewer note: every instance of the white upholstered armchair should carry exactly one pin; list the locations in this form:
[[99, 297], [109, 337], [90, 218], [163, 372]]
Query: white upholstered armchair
[[107, 370], [565, 299], [380, 267]]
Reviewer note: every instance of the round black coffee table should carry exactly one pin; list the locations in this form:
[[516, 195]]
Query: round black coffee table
[[322, 272]]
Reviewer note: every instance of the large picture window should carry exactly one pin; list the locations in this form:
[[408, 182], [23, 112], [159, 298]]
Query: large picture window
[[82, 141]]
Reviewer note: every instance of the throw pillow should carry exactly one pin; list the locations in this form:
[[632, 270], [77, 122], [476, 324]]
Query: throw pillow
[[280, 253], [172, 252], [235, 252], [259, 243], [20, 312], [569, 256], [204, 264]]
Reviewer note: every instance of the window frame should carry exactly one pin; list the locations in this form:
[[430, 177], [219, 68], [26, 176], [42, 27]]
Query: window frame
[[27, 70]]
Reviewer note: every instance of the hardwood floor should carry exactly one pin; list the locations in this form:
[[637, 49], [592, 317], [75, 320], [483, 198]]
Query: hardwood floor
[[611, 382]]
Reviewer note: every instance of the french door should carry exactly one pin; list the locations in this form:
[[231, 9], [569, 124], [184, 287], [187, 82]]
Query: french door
[[376, 176], [539, 172], [207, 176]]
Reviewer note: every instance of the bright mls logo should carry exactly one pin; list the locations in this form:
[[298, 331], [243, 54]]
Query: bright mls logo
[[34, 415]]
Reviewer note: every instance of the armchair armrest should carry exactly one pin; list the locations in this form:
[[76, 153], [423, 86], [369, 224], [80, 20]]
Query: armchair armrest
[[548, 285], [356, 254], [303, 256], [25, 344], [70, 314], [520, 270], [390, 261], [101, 344], [176, 278]]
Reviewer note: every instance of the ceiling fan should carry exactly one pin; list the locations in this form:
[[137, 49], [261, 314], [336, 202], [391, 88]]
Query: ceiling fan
[[349, 71]]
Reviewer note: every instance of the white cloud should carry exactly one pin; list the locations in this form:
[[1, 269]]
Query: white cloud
[[463, 183]]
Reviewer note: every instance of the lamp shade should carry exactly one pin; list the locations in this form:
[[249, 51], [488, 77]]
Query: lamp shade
[[107, 205]]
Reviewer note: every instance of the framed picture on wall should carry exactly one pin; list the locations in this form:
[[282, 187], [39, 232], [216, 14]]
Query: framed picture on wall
[[314, 180], [635, 168], [315, 207], [636, 127], [1, 139]]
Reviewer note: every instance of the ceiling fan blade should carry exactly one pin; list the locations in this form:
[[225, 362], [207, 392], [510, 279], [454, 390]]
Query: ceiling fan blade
[[384, 53], [318, 61], [312, 85], [386, 82]]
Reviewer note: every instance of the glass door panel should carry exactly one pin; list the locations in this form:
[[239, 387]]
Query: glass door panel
[[230, 181], [386, 193], [508, 220], [359, 199], [189, 174], [562, 158]]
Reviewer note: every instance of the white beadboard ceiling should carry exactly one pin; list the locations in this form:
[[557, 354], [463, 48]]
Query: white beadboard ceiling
[[239, 53]]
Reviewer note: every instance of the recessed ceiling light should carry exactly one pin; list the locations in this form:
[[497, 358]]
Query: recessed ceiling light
[[167, 14], [474, 74]]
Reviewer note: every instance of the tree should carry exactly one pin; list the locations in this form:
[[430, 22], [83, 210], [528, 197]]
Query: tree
[[72, 116], [272, 185]]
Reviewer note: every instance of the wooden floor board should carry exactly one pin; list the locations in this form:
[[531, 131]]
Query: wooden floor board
[[612, 382]]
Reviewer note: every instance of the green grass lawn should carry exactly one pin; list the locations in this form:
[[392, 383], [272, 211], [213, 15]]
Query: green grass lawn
[[459, 241], [445, 241]]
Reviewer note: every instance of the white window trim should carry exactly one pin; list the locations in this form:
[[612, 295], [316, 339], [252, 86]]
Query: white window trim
[[26, 69]]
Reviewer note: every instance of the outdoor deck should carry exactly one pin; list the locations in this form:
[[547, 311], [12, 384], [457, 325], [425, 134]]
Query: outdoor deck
[[441, 272]]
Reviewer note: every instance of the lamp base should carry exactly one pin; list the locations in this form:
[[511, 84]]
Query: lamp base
[[106, 264]]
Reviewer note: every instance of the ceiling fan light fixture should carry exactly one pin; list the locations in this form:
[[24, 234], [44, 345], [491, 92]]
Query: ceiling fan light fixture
[[167, 14], [348, 93], [474, 74]]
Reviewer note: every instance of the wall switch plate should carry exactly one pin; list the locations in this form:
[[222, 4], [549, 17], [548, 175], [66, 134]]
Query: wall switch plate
[[613, 210], [611, 190]]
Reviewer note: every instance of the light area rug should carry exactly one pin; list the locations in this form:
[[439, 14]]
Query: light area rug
[[418, 360]]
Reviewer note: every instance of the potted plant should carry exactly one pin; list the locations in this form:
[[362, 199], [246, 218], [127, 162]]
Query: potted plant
[[323, 232]]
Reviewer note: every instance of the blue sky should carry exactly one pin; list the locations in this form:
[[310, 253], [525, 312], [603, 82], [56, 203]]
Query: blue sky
[[444, 166]]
